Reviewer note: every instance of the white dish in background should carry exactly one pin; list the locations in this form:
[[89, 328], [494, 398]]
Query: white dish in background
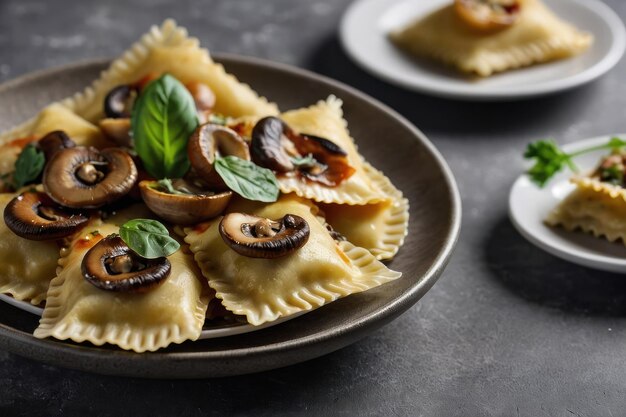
[[207, 332], [529, 205], [365, 26]]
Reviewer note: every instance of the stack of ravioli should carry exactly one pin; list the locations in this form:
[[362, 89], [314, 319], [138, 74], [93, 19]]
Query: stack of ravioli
[[366, 208]]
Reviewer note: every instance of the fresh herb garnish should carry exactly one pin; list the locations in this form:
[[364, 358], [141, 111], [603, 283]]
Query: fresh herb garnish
[[162, 120], [304, 161], [550, 159], [248, 179], [148, 238], [166, 185], [613, 174], [28, 166]]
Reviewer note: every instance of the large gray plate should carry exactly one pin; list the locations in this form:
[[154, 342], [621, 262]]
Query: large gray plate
[[385, 138]]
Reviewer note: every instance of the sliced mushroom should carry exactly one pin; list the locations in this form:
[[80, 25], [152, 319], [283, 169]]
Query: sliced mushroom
[[207, 143], [331, 165], [276, 146], [34, 216], [118, 130], [183, 208], [488, 15], [118, 102], [54, 142], [269, 145], [87, 178], [111, 265], [258, 237]]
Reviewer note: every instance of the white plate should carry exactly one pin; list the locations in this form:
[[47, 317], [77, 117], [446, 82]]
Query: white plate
[[365, 26], [207, 333], [529, 205]]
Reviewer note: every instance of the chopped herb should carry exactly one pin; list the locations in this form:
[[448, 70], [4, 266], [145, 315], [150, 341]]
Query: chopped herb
[[613, 174], [218, 119], [95, 233], [550, 159], [166, 185], [304, 161]]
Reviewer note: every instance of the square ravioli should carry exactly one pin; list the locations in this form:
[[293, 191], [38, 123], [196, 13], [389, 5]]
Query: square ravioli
[[263, 290], [537, 36]]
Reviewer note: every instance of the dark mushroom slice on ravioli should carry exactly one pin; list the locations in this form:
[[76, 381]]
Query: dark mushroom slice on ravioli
[[258, 237], [83, 177], [112, 266], [34, 216]]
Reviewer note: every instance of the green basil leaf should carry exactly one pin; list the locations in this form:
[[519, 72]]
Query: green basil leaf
[[148, 238], [248, 179], [162, 120], [28, 166]]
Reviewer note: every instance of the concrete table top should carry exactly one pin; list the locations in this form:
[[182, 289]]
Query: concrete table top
[[507, 331]]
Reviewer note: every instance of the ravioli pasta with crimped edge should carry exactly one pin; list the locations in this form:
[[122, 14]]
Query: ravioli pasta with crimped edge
[[76, 310], [379, 228], [537, 36], [594, 207], [320, 272], [97, 204], [27, 266]]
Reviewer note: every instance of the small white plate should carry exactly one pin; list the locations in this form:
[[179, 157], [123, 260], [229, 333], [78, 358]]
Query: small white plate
[[365, 26], [529, 205], [207, 332]]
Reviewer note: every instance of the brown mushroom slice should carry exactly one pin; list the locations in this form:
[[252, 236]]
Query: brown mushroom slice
[[207, 143], [488, 15], [54, 142], [183, 208], [331, 167], [112, 266], [269, 145], [34, 216], [258, 237], [118, 130], [87, 178], [117, 103]]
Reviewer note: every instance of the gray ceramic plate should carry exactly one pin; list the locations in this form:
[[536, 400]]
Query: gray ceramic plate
[[387, 140]]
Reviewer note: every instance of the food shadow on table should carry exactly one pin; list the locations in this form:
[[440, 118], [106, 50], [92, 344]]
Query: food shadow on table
[[433, 114], [544, 279]]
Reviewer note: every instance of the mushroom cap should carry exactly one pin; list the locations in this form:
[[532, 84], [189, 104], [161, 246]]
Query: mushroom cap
[[95, 271], [23, 217], [487, 16], [115, 102], [54, 142], [183, 209], [237, 231], [209, 141], [266, 146], [63, 186]]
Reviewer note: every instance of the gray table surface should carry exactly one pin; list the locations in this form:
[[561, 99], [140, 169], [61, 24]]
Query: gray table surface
[[508, 330]]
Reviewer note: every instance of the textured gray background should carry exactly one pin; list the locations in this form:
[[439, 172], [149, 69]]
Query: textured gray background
[[507, 331]]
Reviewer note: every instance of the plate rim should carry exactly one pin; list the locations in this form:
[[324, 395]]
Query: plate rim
[[598, 69], [579, 257], [23, 343]]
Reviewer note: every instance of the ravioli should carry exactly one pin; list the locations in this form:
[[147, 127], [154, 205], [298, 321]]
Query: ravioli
[[76, 310], [380, 228], [265, 289], [538, 36], [26, 266], [325, 119], [594, 207]]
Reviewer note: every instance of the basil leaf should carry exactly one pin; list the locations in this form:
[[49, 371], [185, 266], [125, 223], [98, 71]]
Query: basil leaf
[[247, 179], [162, 120], [148, 238], [28, 166]]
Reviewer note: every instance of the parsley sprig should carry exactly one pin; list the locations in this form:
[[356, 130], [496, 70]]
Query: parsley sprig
[[549, 158]]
